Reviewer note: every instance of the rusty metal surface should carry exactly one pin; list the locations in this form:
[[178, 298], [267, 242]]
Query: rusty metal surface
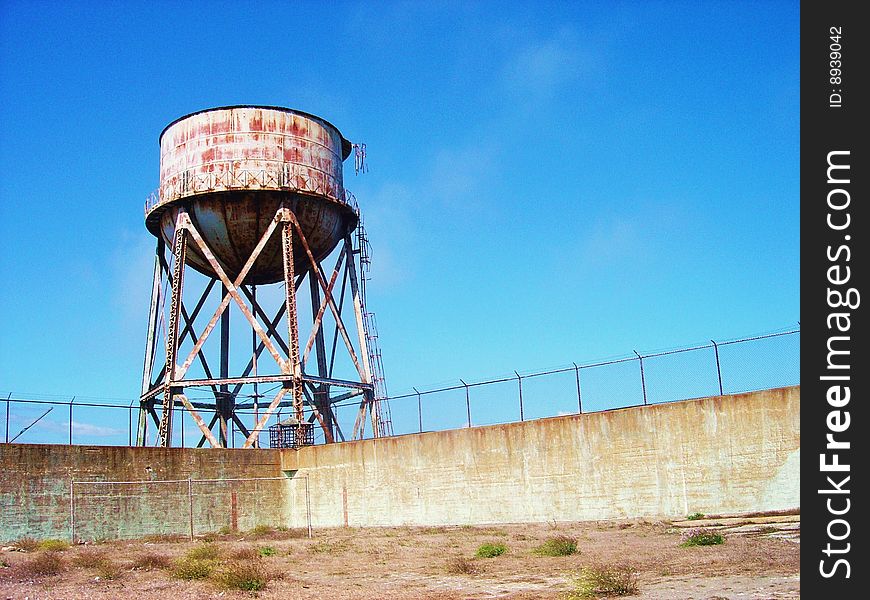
[[233, 167]]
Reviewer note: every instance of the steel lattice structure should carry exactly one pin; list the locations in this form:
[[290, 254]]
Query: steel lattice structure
[[270, 218]]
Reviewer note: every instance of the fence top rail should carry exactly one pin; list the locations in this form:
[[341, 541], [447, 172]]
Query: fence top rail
[[448, 388]]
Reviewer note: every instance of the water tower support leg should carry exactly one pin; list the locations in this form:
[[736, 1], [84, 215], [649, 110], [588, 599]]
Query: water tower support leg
[[292, 322], [151, 340], [225, 401], [179, 252]]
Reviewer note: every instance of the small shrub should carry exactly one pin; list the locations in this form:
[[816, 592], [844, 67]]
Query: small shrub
[[192, 568], [611, 580], [225, 530], [245, 553], [53, 545], [695, 516], [325, 547], [266, 551], [491, 550], [108, 570], [560, 545], [206, 551], [460, 565], [164, 538], [43, 565], [151, 561], [294, 532], [89, 559], [262, 531], [247, 575], [702, 537], [28, 544]]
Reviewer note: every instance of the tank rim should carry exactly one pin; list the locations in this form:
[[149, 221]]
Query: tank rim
[[345, 144]]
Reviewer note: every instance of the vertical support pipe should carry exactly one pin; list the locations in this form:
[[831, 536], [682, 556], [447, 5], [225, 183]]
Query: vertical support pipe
[[308, 506], [225, 401], [254, 365], [190, 503], [181, 425], [293, 358], [151, 340], [130, 425], [577, 376], [467, 402], [72, 512], [520, 381], [7, 416], [642, 379], [179, 253], [718, 368], [419, 411], [71, 419]]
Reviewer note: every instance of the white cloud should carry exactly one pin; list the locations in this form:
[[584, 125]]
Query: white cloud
[[541, 69], [95, 430]]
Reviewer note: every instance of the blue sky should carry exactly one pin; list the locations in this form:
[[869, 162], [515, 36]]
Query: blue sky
[[549, 182]]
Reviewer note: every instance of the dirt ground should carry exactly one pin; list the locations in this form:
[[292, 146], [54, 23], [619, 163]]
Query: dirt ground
[[758, 561]]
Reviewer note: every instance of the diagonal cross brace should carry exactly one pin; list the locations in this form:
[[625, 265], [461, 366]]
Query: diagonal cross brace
[[315, 269], [318, 320], [232, 294], [269, 410]]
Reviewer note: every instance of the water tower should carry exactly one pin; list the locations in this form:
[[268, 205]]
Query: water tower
[[253, 196]]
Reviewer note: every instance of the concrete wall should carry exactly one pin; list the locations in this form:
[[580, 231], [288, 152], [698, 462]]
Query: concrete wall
[[723, 454], [35, 490]]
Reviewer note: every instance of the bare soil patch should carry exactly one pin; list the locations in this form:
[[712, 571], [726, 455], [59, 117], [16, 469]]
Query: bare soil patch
[[756, 562]]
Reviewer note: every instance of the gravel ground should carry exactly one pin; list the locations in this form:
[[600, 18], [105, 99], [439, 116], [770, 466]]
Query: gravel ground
[[758, 561]]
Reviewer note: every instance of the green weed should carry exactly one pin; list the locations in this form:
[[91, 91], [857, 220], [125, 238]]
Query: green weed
[[490, 550]]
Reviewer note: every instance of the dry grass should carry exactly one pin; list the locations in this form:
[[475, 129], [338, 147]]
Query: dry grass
[[189, 569], [205, 551], [44, 564], [412, 562], [606, 580], [89, 559], [460, 565], [245, 575], [28, 544], [245, 553], [151, 561], [164, 538]]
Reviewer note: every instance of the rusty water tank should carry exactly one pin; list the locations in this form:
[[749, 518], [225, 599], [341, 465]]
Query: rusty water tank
[[232, 167]]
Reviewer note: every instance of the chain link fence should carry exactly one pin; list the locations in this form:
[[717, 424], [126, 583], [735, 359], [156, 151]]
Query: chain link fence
[[720, 367], [185, 507]]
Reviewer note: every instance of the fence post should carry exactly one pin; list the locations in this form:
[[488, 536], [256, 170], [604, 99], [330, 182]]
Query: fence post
[[642, 379], [577, 376], [308, 506], [71, 419], [467, 402], [72, 512], [190, 503], [7, 416], [520, 380], [718, 368], [419, 409]]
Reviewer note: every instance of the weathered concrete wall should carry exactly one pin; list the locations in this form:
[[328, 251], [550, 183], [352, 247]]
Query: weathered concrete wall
[[35, 490], [722, 454]]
